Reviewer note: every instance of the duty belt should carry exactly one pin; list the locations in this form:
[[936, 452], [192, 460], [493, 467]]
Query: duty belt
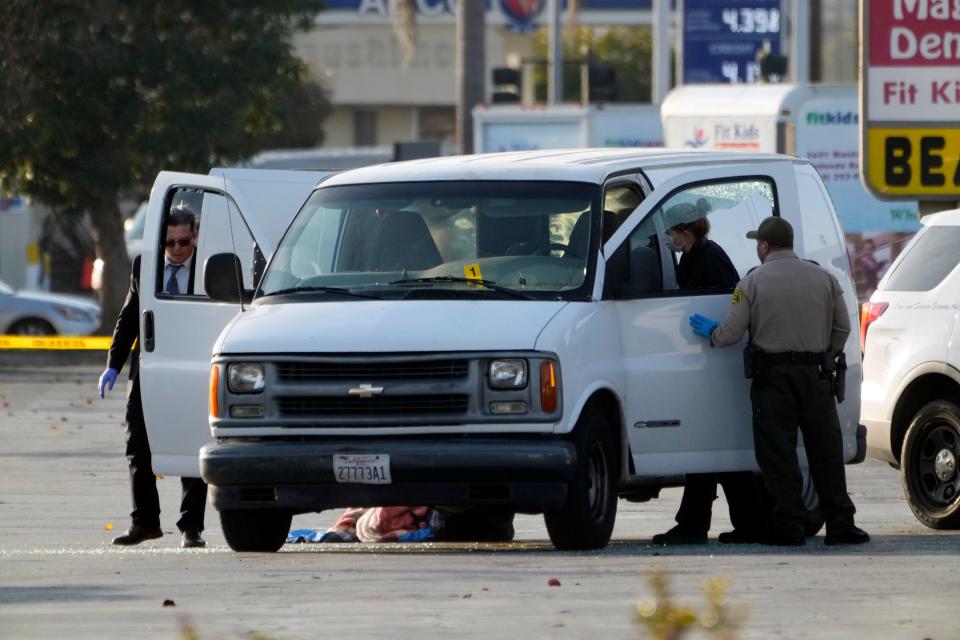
[[792, 357]]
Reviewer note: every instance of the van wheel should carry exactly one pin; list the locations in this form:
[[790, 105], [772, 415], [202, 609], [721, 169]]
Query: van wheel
[[586, 520], [812, 515], [928, 465], [255, 529]]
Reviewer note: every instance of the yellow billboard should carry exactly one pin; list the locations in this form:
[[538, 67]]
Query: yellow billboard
[[903, 162]]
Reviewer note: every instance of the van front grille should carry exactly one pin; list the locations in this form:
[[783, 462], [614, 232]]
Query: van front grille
[[368, 371], [410, 405]]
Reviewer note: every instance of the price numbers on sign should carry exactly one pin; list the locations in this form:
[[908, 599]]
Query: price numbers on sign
[[752, 20], [731, 71]]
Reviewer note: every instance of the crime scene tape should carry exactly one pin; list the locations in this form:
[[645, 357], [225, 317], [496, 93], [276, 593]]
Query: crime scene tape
[[96, 343]]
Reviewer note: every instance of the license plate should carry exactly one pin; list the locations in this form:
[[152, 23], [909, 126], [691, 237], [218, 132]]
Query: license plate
[[362, 468]]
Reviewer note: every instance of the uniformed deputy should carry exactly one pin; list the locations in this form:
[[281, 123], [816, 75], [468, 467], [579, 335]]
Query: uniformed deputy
[[797, 320]]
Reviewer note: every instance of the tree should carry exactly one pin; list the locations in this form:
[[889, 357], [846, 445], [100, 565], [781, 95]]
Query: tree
[[299, 118], [626, 50], [100, 95]]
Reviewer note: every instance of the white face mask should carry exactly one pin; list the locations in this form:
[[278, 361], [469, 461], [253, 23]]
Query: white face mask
[[672, 244]]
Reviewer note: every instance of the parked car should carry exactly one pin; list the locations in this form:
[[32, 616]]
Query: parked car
[[911, 370], [42, 314], [133, 230], [502, 330]]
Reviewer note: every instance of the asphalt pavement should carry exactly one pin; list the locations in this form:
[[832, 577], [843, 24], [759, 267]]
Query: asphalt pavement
[[64, 495]]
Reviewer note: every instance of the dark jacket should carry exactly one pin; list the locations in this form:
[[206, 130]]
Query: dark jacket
[[127, 330], [706, 266]]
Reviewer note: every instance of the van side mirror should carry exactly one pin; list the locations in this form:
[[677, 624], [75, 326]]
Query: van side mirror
[[223, 279]]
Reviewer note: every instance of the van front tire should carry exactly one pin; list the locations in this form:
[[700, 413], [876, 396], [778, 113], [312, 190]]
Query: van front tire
[[929, 465], [586, 520], [262, 530]]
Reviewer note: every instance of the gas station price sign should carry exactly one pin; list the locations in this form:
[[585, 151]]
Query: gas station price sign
[[721, 38], [910, 97]]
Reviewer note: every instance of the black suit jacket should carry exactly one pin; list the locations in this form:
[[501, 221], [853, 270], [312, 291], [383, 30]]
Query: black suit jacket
[[127, 330]]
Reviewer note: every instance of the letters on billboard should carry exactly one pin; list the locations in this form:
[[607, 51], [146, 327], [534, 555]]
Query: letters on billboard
[[911, 97]]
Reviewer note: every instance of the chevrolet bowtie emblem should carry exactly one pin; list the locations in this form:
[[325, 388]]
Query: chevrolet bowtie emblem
[[365, 391]]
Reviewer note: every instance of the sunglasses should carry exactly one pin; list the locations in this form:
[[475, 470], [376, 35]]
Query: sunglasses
[[180, 242]]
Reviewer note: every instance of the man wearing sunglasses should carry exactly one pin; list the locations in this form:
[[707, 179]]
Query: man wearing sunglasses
[[179, 260], [178, 272]]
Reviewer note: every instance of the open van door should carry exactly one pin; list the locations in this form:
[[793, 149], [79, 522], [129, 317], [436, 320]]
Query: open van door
[[688, 406], [178, 330]]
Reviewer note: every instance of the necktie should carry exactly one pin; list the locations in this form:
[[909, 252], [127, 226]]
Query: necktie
[[172, 286]]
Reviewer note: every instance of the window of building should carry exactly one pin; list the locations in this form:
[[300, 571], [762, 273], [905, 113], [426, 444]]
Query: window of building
[[364, 128], [438, 123]]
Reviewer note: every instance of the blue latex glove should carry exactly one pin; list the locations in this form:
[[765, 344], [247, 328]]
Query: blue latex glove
[[107, 378], [703, 325]]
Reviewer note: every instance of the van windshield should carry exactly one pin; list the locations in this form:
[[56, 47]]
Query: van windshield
[[427, 239]]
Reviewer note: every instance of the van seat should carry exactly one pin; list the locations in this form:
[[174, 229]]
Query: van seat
[[403, 241]]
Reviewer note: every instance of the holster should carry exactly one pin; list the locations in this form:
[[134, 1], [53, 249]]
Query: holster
[[840, 377]]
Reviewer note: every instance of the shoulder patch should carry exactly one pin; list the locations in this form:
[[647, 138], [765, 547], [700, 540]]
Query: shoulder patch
[[737, 297]]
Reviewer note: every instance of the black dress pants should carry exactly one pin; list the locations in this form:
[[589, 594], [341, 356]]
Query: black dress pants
[[787, 398], [143, 482], [743, 493]]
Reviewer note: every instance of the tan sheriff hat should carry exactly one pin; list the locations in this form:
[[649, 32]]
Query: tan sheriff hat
[[775, 230]]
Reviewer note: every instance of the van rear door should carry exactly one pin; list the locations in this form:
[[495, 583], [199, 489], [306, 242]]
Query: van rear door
[[178, 330]]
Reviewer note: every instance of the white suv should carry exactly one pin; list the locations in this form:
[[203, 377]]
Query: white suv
[[911, 387]]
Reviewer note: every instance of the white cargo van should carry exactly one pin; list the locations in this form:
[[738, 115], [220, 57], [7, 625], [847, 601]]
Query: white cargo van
[[500, 329]]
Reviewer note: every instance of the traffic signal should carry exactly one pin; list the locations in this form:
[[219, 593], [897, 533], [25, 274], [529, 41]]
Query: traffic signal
[[773, 67], [506, 85], [601, 81]]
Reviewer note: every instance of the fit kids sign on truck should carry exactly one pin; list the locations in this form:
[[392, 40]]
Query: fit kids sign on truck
[[911, 98]]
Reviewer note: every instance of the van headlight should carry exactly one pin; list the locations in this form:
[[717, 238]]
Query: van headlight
[[245, 377], [508, 374]]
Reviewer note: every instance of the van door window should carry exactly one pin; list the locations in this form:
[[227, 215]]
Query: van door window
[[649, 262], [619, 201], [720, 213], [217, 227], [637, 268]]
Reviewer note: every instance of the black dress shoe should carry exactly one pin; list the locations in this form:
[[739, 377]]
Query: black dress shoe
[[678, 536], [192, 540], [137, 534], [740, 536], [852, 535]]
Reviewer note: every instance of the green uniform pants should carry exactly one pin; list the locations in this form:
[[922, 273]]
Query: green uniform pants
[[788, 397]]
